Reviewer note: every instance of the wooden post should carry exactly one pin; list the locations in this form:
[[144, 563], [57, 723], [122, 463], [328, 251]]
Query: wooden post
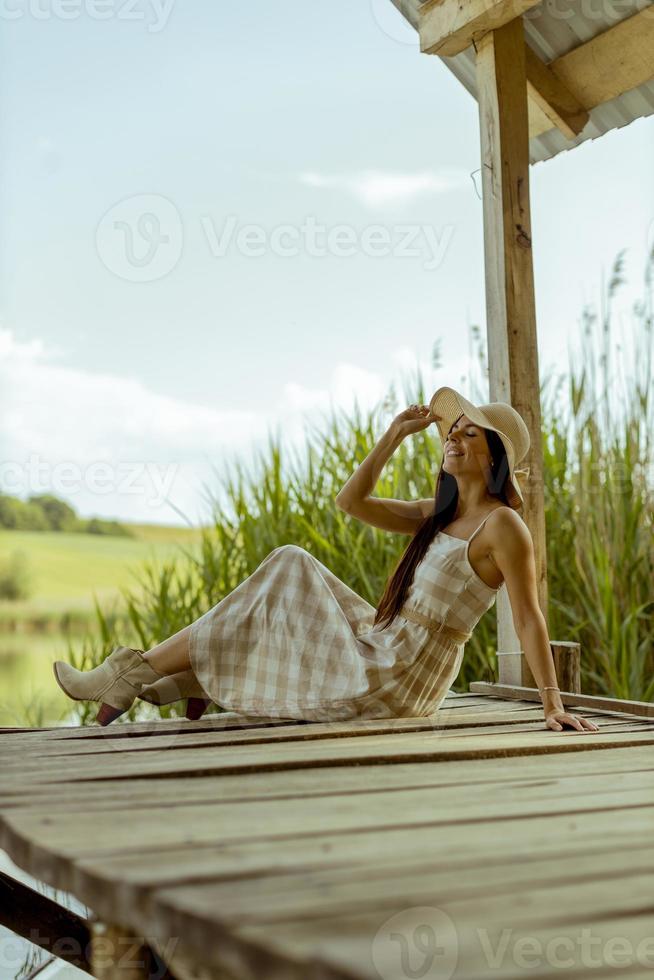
[[567, 661], [117, 954], [510, 301]]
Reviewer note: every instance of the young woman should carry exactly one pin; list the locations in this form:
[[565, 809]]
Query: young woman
[[293, 641]]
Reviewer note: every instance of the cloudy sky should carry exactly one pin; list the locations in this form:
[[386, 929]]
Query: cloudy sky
[[220, 220]]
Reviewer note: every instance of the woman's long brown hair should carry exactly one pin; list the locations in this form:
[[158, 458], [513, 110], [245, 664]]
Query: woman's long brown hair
[[446, 500]]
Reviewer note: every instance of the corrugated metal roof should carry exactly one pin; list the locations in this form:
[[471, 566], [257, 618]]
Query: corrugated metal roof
[[552, 31]]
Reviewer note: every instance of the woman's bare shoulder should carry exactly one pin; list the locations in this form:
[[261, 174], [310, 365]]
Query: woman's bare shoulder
[[506, 522]]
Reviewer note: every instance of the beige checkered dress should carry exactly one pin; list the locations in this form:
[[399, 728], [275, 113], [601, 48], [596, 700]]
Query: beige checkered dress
[[293, 641]]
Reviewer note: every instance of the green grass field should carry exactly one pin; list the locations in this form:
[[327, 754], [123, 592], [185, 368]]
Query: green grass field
[[66, 569]]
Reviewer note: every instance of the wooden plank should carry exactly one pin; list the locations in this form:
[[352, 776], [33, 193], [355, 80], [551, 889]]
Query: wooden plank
[[327, 781], [299, 819], [555, 837], [315, 894], [640, 709], [521, 721], [431, 747], [350, 946], [134, 871], [468, 708], [491, 720], [448, 27], [488, 714], [616, 61], [221, 722], [28, 836]]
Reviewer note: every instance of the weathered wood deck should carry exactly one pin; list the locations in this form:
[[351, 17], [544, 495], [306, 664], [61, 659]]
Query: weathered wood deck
[[455, 847]]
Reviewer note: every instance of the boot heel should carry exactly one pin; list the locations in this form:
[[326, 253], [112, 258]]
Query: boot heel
[[196, 707], [108, 713]]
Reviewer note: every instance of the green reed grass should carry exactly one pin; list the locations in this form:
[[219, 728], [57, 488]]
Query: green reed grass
[[597, 449]]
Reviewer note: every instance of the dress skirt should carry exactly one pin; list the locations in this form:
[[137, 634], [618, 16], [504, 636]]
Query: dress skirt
[[294, 641]]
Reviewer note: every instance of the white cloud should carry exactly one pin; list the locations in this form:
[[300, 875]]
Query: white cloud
[[62, 423], [375, 188]]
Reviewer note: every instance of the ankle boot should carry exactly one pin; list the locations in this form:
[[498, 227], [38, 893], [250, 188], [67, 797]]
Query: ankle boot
[[174, 687], [115, 682]]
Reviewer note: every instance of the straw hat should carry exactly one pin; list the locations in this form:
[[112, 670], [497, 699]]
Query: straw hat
[[498, 416]]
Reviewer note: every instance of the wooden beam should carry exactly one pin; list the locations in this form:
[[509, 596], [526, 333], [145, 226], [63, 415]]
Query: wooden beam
[[546, 90], [510, 300], [448, 27], [44, 922], [614, 62], [643, 709]]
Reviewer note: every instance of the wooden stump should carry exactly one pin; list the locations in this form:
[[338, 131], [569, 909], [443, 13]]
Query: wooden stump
[[567, 662]]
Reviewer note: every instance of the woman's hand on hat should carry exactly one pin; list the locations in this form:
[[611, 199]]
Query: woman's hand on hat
[[413, 419]]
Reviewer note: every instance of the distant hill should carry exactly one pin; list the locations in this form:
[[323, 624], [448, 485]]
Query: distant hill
[[47, 512]]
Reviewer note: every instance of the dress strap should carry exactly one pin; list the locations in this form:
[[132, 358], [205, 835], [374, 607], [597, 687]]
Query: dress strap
[[479, 528]]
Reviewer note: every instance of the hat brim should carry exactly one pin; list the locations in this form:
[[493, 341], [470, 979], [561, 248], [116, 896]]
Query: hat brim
[[449, 405]]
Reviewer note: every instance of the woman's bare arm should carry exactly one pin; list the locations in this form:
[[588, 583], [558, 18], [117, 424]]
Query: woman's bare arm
[[402, 516], [512, 549]]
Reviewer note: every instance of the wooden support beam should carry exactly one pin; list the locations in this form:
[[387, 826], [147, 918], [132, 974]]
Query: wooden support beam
[[611, 63], [614, 62], [44, 922], [510, 300], [449, 26], [561, 108]]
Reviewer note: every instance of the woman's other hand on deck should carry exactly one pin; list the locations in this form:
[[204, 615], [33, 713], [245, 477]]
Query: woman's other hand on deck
[[557, 721]]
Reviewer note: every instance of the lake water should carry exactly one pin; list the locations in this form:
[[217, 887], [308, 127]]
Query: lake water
[[29, 693]]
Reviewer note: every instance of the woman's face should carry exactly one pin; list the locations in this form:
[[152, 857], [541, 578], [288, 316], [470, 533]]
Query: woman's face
[[466, 448]]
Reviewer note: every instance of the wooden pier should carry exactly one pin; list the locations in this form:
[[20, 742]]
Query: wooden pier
[[475, 843]]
